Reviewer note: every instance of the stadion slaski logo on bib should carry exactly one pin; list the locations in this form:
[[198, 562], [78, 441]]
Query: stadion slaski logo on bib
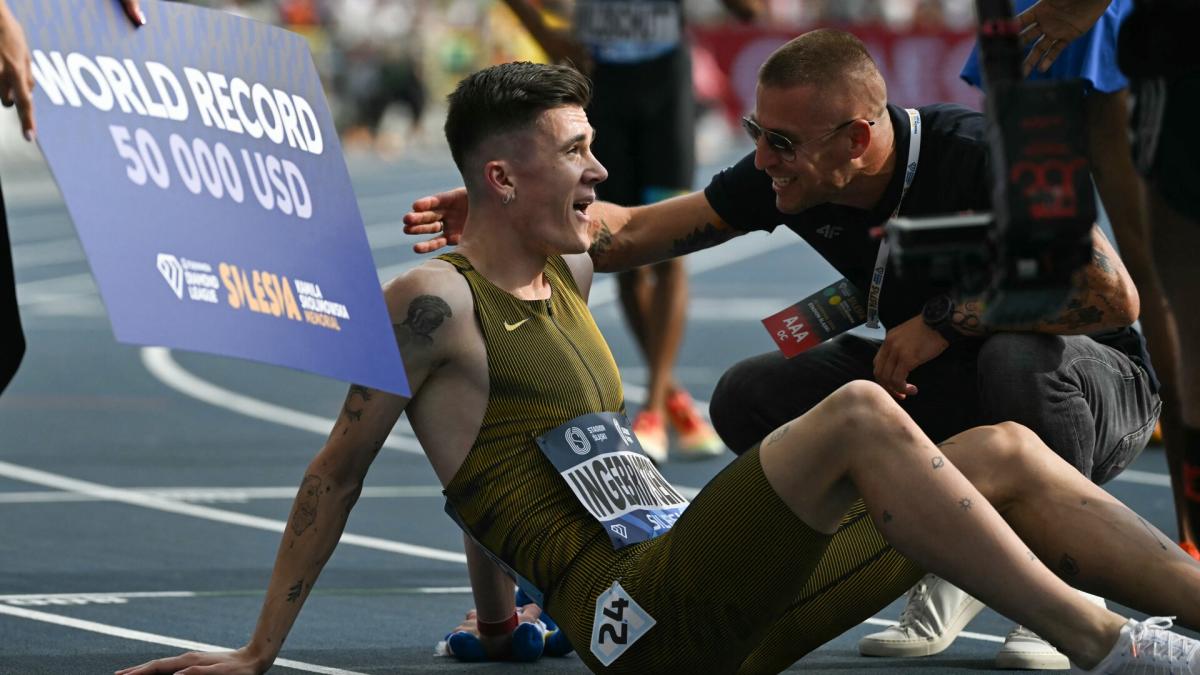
[[578, 441]]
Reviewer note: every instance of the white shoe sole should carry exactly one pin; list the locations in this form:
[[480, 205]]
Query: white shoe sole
[[1027, 661], [869, 646]]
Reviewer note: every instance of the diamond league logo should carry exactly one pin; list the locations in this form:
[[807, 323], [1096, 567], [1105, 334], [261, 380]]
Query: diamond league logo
[[170, 269]]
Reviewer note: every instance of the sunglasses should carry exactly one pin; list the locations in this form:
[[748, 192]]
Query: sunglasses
[[784, 145]]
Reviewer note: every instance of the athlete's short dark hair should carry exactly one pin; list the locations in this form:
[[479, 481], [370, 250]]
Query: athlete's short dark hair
[[508, 97]]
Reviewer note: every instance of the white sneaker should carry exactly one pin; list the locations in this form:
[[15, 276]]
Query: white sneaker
[[934, 615], [1149, 647], [1024, 650]]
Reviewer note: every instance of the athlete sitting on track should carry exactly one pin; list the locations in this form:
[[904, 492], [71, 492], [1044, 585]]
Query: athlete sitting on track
[[742, 582]]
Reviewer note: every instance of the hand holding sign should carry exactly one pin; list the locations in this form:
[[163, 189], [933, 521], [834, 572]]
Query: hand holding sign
[[16, 81]]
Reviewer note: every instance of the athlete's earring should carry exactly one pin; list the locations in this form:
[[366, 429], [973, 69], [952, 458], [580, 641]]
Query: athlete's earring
[[509, 197]]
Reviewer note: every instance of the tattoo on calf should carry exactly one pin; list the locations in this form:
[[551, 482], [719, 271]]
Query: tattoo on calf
[[700, 238], [306, 504], [965, 504], [887, 517], [1032, 557], [425, 314], [295, 591], [1101, 261], [938, 462], [777, 435]]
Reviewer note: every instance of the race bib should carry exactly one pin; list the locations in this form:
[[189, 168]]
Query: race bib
[[601, 461], [821, 316], [628, 30]]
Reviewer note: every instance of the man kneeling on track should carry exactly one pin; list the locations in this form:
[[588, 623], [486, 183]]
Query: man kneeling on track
[[825, 496]]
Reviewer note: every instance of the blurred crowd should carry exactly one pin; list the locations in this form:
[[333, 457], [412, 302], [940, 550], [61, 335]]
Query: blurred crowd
[[386, 62]]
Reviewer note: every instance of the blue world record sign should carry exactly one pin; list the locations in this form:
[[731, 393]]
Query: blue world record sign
[[199, 162]]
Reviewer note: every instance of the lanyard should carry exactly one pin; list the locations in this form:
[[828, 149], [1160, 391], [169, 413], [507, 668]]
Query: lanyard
[[881, 259]]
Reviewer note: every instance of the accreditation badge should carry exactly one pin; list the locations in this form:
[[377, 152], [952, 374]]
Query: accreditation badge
[[821, 316], [602, 462]]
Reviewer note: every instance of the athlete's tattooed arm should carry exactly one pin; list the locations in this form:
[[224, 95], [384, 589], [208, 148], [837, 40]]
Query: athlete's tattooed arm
[[1102, 297], [629, 237]]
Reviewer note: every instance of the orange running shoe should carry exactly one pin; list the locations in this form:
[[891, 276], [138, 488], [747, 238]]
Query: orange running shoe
[[649, 429], [696, 437], [1190, 548]]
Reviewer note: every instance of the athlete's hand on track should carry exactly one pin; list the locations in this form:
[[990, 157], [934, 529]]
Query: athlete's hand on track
[[498, 648], [197, 663], [443, 215], [906, 347], [1049, 25]]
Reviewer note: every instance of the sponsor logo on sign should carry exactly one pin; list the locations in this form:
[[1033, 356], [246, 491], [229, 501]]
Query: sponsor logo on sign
[[578, 441], [170, 269], [618, 623]]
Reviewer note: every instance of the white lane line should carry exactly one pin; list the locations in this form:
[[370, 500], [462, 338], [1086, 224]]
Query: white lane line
[[160, 364], [218, 494], [106, 492], [120, 598], [154, 638]]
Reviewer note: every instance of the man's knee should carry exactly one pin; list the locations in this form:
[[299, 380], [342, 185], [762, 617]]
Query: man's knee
[[1020, 355], [731, 408]]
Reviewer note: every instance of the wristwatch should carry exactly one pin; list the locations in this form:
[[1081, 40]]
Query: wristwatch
[[937, 314]]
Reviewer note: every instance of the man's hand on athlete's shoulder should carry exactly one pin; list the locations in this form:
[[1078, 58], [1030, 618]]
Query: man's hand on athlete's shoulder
[[443, 215], [907, 346]]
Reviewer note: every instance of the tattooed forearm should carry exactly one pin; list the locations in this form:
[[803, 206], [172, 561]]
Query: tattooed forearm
[[967, 318], [777, 435], [700, 238], [602, 241], [351, 413], [1077, 315], [295, 591], [305, 513], [425, 314]]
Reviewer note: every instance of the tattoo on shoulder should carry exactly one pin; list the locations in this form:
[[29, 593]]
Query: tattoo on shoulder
[[425, 314], [306, 504], [701, 238], [777, 435], [295, 591], [602, 241]]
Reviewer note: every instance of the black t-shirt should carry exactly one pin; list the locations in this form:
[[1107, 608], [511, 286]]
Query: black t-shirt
[[953, 176]]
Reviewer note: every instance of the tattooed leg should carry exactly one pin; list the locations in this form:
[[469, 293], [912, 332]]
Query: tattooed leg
[[860, 443], [1084, 534]]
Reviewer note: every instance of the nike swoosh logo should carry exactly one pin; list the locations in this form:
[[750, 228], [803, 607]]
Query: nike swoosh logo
[[510, 327]]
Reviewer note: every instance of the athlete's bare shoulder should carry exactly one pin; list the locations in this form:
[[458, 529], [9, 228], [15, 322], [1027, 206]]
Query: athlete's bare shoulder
[[432, 313]]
